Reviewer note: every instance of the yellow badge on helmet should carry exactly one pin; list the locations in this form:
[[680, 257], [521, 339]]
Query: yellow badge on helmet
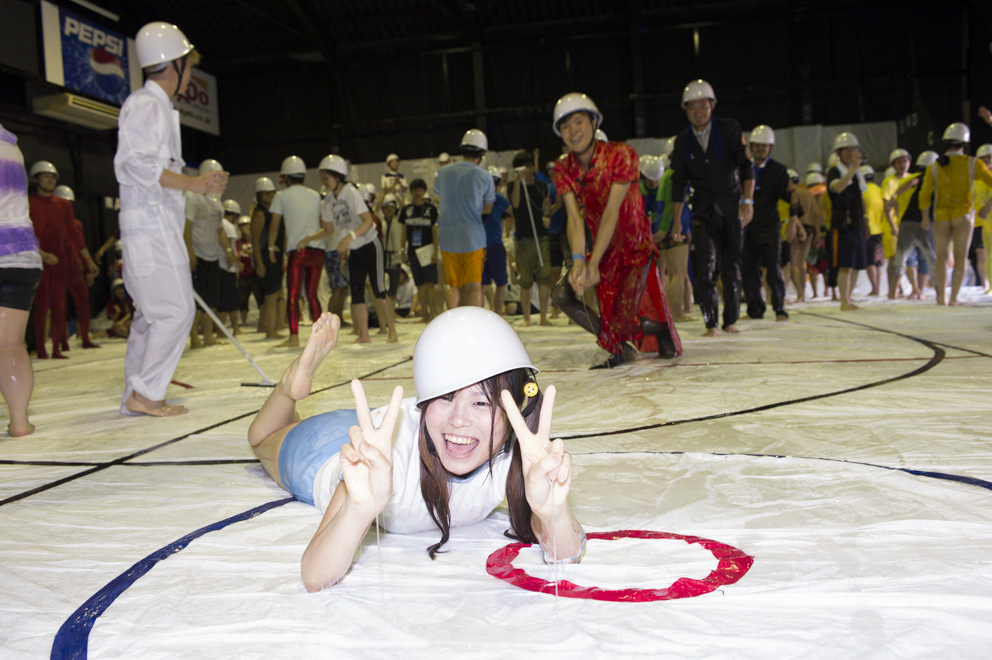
[[530, 389]]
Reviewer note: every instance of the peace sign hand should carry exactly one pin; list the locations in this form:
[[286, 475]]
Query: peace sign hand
[[367, 462], [547, 467]]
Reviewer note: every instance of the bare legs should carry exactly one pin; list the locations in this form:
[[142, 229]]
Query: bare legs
[[845, 283], [958, 231], [16, 374], [278, 415]]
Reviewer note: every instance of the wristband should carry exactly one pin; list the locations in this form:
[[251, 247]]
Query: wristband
[[352, 234], [574, 559], [749, 202], [579, 257]]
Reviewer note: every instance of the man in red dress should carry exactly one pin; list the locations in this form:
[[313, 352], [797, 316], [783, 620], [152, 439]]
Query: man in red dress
[[594, 180]]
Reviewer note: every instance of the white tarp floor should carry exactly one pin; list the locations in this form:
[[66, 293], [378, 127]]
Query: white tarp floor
[[846, 453]]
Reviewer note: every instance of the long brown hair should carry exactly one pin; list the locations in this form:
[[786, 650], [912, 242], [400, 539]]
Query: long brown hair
[[435, 479]]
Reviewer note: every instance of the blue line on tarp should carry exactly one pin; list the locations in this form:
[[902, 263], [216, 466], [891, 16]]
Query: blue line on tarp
[[72, 639]]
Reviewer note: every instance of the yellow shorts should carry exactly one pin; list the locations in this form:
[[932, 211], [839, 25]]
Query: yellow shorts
[[463, 267]]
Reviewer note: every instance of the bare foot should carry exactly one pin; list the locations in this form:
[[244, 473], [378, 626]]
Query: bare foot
[[710, 332], [275, 335], [940, 301], [323, 338], [848, 307], [19, 430], [363, 340], [292, 340], [526, 323], [140, 405], [545, 322], [393, 338], [732, 329], [383, 331]]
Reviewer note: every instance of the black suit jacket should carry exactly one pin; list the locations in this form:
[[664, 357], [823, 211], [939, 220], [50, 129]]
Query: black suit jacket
[[716, 174]]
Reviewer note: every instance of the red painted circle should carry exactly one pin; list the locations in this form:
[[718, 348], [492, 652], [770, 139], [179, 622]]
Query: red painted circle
[[732, 566]]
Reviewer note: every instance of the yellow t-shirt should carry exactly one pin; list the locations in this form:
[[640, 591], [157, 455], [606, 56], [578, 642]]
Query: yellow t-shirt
[[980, 195], [783, 215], [889, 187], [874, 205], [953, 186]]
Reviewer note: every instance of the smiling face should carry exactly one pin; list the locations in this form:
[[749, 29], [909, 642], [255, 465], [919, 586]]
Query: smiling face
[[461, 425], [577, 131], [761, 152], [847, 154], [699, 112]]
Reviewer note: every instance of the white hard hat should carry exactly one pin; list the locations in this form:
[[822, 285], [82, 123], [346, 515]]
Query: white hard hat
[[475, 139], [793, 175], [698, 89], [814, 167], [264, 184], [926, 157], [652, 167], [983, 151], [231, 206], [845, 139], [832, 159], [463, 346], [293, 166], [389, 158], [244, 220], [601, 136], [444, 157], [889, 171], [65, 192], [334, 163], [669, 146], [763, 135], [210, 165], [814, 178], [160, 42], [867, 171], [502, 171], [898, 153], [43, 166], [370, 188], [494, 171], [389, 199], [573, 102], [957, 132], [116, 283]]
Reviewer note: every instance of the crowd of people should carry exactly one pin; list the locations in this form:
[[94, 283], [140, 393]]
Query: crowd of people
[[624, 244]]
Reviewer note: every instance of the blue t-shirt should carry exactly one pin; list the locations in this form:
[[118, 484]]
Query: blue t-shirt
[[463, 188], [493, 221]]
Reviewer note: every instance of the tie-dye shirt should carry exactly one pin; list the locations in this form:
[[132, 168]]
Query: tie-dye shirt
[[18, 245]]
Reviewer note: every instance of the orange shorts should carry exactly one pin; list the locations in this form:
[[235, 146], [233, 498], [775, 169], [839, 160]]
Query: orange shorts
[[462, 268]]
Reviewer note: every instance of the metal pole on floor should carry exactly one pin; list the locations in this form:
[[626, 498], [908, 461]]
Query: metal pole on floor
[[266, 381]]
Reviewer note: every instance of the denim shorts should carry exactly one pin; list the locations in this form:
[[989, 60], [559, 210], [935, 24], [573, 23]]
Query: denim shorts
[[309, 445]]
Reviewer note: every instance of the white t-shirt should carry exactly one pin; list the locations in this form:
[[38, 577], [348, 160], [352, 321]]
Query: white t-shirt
[[299, 207], [205, 215], [232, 237], [472, 498], [344, 210]]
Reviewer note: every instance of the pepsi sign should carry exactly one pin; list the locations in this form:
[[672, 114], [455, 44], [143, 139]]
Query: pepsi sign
[[94, 59]]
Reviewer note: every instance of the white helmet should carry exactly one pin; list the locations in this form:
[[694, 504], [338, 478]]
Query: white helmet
[[845, 139], [43, 166], [698, 89], [814, 178], [389, 199], [494, 172], [983, 151], [793, 175], [334, 163], [391, 157], [573, 102], [601, 136], [867, 171], [160, 42], [763, 135], [898, 153], [889, 171], [231, 206], [65, 192], [370, 189], [957, 132], [832, 159], [669, 146], [244, 220], [814, 167], [293, 166], [210, 165], [475, 139], [926, 157], [444, 157], [652, 167], [264, 184], [463, 346]]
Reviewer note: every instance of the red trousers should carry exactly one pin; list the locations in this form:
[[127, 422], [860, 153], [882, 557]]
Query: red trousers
[[302, 274], [50, 297]]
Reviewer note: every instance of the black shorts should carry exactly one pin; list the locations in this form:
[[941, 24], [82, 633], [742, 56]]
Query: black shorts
[[849, 248], [272, 282], [557, 258], [206, 281], [367, 262], [421, 274], [976, 241], [784, 255], [228, 292], [876, 252], [17, 287]]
